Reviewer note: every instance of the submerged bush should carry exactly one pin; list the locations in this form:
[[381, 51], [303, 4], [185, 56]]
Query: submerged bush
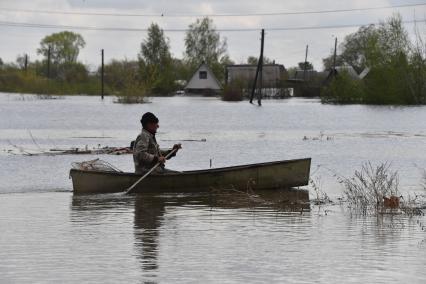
[[131, 94], [371, 186], [233, 91]]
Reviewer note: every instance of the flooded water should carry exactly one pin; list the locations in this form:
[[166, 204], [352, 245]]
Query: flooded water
[[49, 235]]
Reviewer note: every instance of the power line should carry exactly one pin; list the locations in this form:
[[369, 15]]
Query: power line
[[283, 13], [120, 29]]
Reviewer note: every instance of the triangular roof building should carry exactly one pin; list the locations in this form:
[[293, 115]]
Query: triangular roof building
[[203, 81]]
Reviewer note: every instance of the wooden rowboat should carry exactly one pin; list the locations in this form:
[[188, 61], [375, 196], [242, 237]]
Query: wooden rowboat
[[272, 175]]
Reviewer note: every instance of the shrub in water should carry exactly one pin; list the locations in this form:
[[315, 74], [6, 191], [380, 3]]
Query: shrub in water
[[369, 186], [233, 91], [343, 89]]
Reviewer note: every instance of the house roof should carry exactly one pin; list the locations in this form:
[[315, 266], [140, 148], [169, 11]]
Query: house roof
[[252, 66], [210, 83], [349, 69], [364, 73]]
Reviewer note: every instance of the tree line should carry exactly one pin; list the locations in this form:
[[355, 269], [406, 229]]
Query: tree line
[[394, 66], [154, 72]]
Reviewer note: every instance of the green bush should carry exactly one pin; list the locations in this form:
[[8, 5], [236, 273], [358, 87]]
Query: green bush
[[17, 81], [397, 66], [131, 94], [343, 90]]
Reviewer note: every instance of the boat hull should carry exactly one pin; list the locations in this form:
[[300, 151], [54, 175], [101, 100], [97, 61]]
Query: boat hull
[[273, 175]]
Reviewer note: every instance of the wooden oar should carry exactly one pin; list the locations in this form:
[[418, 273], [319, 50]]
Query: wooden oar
[[130, 189]]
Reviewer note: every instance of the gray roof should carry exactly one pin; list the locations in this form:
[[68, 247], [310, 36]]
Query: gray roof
[[364, 73], [349, 69]]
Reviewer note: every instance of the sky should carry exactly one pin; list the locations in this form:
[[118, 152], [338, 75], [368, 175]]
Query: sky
[[284, 46]]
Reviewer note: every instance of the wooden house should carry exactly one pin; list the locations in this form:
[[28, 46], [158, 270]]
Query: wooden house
[[272, 74]]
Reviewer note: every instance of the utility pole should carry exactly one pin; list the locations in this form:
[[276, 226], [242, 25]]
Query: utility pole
[[335, 54], [259, 69], [259, 96], [48, 63], [306, 62], [102, 75], [26, 63]]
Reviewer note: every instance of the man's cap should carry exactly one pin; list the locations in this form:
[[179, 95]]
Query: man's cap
[[148, 117]]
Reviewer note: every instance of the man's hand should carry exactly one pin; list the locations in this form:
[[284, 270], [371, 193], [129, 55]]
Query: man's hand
[[162, 160], [177, 147]]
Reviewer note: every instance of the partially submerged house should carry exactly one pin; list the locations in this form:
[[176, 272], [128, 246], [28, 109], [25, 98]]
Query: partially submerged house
[[304, 75], [203, 82], [273, 78], [272, 74], [306, 83]]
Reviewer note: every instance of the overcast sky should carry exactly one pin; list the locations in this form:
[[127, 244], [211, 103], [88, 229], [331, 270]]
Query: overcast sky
[[286, 47]]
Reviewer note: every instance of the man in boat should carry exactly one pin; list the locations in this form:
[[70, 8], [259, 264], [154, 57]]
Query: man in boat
[[146, 151]]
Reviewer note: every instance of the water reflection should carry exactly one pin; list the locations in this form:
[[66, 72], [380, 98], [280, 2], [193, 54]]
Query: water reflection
[[91, 207], [150, 211]]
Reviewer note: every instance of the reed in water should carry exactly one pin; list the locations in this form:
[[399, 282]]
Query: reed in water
[[375, 189]]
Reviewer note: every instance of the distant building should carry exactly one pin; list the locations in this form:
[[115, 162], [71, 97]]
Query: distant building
[[308, 76], [272, 74], [339, 70], [203, 82]]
